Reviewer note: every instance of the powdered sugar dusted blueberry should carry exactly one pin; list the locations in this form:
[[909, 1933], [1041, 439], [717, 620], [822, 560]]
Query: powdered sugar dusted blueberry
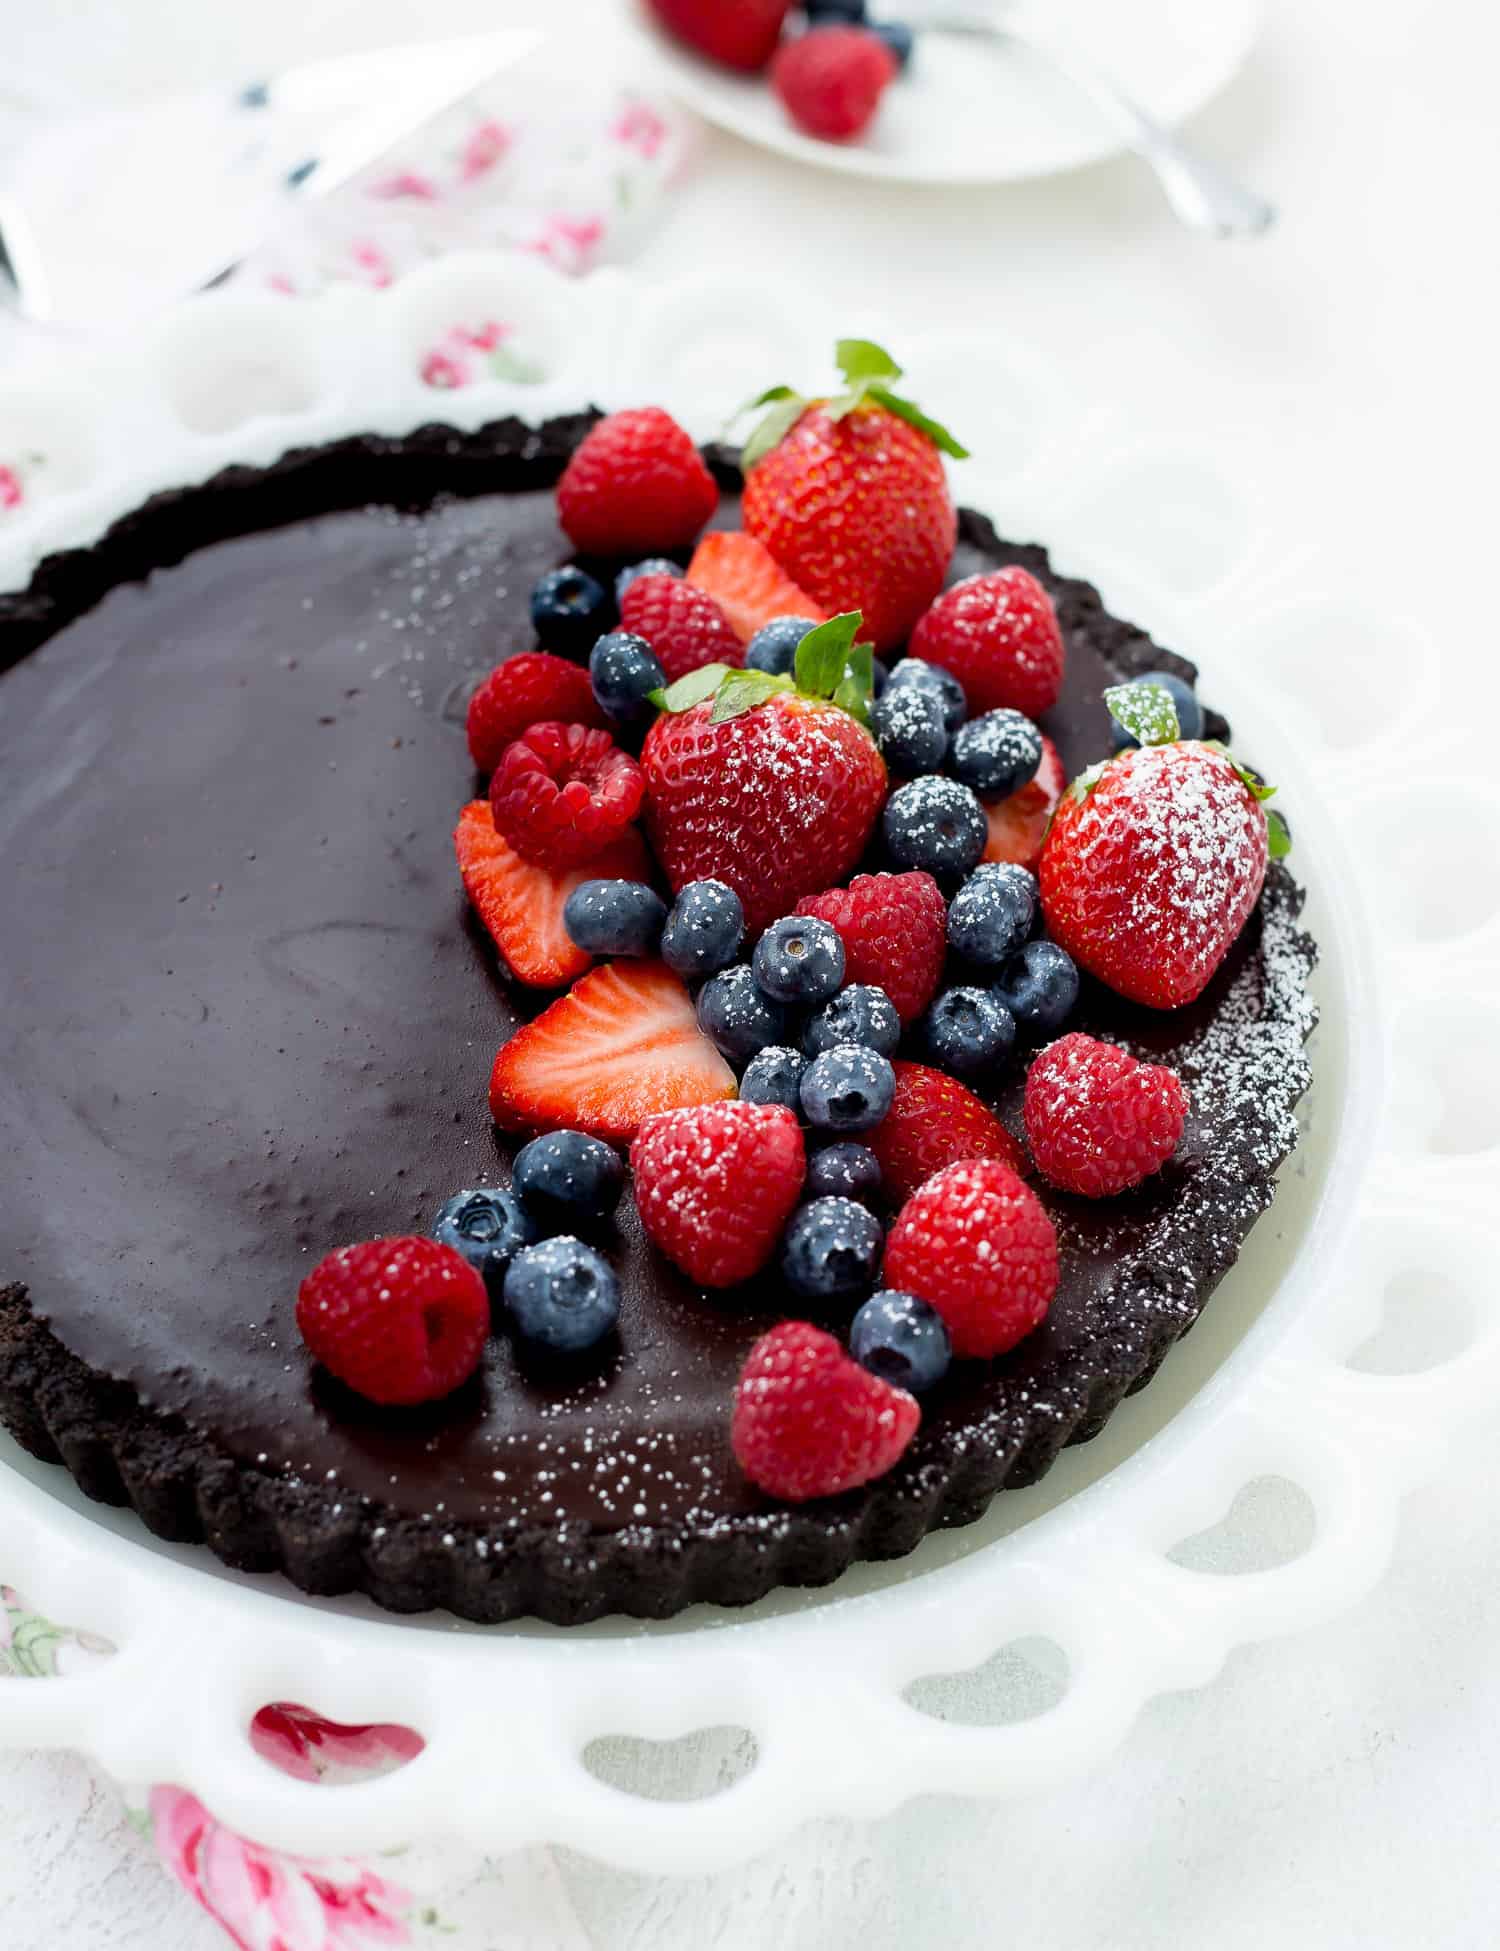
[[933, 678], [562, 1296], [832, 1250], [910, 729], [847, 1088], [991, 915], [997, 753], [860, 1014], [703, 931], [1039, 986], [774, 1076], [737, 1016], [967, 1031], [934, 824], [844, 1171], [902, 1340], [799, 959]]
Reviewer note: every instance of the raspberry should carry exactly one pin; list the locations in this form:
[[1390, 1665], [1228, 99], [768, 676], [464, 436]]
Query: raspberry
[[636, 485], [999, 635], [519, 694], [831, 80], [810, 1422], [562, 793], [715, 1184], [976, 1244], [894, 929], [682, 623], [935, 1121], [400, 1320], [1098, 1120]]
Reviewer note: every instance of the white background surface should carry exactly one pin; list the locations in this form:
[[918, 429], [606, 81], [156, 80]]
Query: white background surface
[[1341, 1789]]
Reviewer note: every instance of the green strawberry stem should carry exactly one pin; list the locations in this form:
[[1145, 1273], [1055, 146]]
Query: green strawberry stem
[[830, 667], [868, 371]]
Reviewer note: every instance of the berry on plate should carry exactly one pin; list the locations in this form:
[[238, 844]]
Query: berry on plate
[[716, 1184], [999, 636], [902, 1340], [567, 1179], [738, 1016], [1039, 986], [935, 825], [1018, 825], [622, 1043], [636, 485], [609, 917], [894, 931], [562, 793], [799, 959], [623, 672], [704, 929], [748, 583], [859, 1014], [488, 1227], [831, 79], [832, 1250], [1098, 1120], [522, 905], [398, 1321], [847, 1088], [774, 1076], [568, 610], [990, 917], [740, 34], [850, 495], [935, 1121], [683, 625], [810, 1422], [977, 1244], [845, 1170], [562, 1296], [967, 1031], [520, 693]]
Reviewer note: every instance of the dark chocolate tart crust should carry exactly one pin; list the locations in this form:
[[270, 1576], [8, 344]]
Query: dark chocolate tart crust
[[247, 1018]]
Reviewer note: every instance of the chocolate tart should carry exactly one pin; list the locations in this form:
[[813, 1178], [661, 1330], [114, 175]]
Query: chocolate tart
[[248, 1017]]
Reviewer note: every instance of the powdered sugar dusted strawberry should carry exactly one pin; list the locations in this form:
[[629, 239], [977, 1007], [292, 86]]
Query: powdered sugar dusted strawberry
[[810, 1422], [715, 1184], [934, 1121], [682, 623], [894, 928], [1097, 1119], [998, 633]]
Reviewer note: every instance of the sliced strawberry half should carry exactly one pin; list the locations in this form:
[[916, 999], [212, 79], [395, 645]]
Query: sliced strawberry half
[[1018, 823], [748, 583], [624, 1042], [522, 905]]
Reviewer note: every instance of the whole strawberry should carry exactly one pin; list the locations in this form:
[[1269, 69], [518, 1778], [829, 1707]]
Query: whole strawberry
[[850, 495], [998, 634], [1098, 1120], [810, 1422], [738, 33], [769, 784], [636, 486], [1155, 860], [716, 1183]]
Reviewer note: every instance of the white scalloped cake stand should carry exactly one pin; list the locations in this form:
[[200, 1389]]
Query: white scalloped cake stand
[[1388, 1188]]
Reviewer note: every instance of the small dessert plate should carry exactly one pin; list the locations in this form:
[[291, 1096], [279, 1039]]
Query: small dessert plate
[[974, 111]]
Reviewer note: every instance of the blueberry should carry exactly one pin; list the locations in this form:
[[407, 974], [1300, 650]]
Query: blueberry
[[568, 611], [1189, 711], [624, 671], [1039, 987], [774, 1076], [831, 1250], [568, 1179], [902, 1340], [932, 677], [830, 10], [847, 1088], [704, 930], [562, 1295], [991, 915], [898, 37], [910, 729], [844, 1171], [997, 754], [488, 1227], [880, 677], [934, 823], [859, 1014], [773, 648], [656, 565], [740, 1020], [615, 917], [799, 959], [967, 1030]]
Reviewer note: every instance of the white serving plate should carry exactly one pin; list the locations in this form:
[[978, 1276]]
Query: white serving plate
[[1393, 1181]]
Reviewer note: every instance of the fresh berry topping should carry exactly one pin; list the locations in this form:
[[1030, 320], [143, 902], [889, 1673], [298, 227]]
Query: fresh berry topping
[[902, 1340], [653, 565], [774, 1076], [622, 1043], [831, 80], [748, 583], [738, 1017], [715, 1186], [683, 625], [859, 1014], [832, 1250], [1150, 871], [850, 496], [615, 917], [976, 1243], [998, 634], [991, 915], [568, 610], [704, 930], [773, 648], [967, 1031], [636, 484], [562, 1296], [1039, 986], [623, 672], [562, 793], [522, 905], [919, 675], [851, 12], [488, 1227], [799, 959], [398, 1321], [1185, 703], [998, 753], [568, 1180], [935, 825], [847, 1088], [898, 37], [1098, 1120], [844, 1171], [935, 1121], [810, 1422], [521, 693], [910, 729], [1018, 825], [742, 35], [894, 931]]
